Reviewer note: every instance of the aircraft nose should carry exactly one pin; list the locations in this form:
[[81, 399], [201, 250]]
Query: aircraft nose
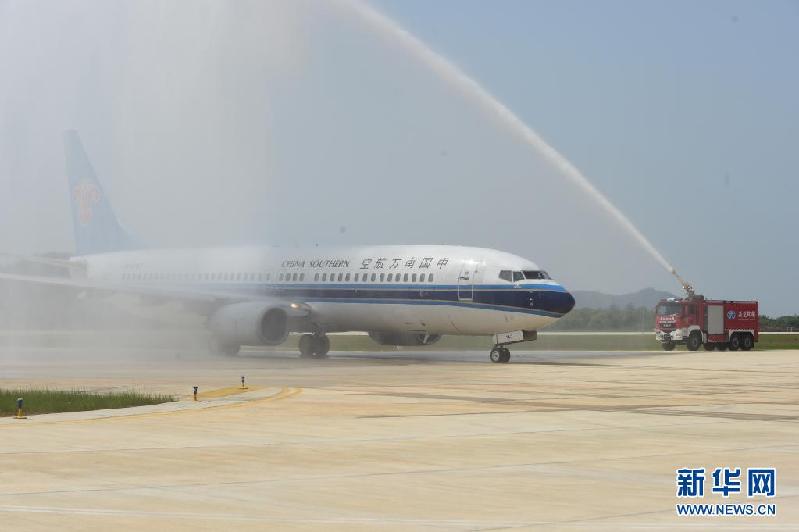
[[568, 303], [558, 302]]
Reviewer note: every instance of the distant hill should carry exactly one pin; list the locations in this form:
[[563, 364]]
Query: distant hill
[[648, 298]]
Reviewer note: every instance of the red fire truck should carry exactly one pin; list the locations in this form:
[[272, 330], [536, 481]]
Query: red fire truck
[[696, 321]]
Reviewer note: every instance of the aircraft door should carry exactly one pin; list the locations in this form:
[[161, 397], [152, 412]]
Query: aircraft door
[[466, 279]]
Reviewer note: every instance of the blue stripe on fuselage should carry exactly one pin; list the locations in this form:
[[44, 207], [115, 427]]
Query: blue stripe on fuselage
[[541, 299]]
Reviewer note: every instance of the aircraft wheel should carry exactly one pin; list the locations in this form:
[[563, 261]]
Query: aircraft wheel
[[306, 345], [505, 355], [321, 346], [496, 355], [747, 342], [735, 342]]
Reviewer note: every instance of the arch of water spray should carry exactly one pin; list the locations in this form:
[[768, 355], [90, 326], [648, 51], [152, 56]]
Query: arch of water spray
[[473, 90]]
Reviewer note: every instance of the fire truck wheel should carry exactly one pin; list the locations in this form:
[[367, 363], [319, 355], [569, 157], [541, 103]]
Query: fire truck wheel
[[668, 346], [747, 342], [735, 342], [710, 347], [694, 341]]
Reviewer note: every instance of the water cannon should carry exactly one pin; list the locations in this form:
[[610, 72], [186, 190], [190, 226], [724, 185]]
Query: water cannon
[[688, 287]]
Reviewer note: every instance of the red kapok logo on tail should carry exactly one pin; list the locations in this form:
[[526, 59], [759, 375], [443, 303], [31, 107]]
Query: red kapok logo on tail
[[85, 195]]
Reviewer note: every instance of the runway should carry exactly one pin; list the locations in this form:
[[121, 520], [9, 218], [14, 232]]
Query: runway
[[395, 440]]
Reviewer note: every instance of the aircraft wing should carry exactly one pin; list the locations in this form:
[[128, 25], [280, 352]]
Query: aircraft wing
[[168, 292], [47, 261]]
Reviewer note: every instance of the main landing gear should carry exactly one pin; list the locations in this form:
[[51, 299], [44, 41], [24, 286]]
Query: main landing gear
[[314, 346], [500, 355]]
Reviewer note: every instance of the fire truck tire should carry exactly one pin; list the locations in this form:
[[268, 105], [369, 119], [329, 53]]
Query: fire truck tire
[[694, 341], [668, 346], [710, 347], [747, 342], [735, 342]]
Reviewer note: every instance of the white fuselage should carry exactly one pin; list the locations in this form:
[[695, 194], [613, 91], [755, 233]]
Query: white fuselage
[[400, 288]]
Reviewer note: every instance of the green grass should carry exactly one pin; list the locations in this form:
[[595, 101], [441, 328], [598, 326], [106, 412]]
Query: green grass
[[45, 401], [557, 342]]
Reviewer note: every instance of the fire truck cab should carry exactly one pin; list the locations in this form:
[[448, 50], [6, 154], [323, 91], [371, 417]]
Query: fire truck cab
[[714, 324]]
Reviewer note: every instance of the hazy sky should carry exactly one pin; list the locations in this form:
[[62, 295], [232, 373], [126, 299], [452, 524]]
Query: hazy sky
[[291, 123]]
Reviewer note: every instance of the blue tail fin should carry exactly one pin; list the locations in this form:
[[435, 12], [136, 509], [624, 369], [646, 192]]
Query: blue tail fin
[[96, 227]]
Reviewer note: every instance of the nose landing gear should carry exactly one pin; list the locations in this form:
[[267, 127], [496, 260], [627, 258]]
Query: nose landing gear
[[500, 355]]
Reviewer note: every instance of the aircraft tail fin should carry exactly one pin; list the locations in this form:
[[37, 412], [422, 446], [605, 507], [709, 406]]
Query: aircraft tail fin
[[97, 229]]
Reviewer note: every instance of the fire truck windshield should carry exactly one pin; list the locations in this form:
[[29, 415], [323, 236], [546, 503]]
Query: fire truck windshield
[[664, 309]]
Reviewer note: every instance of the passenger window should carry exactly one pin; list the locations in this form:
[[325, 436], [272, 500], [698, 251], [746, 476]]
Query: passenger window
[[281, 276], [347, 277], [398, 277], [413, 278], [390, 277], [382, 277], [506, 275], [430, 278], [316, 276], [340, 277], [421, 277], [374, 276], [405, 278], [324, 276], [356, 277]]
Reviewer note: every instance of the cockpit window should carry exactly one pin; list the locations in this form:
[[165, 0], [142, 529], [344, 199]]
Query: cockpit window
[[513, 277], [535, 274]]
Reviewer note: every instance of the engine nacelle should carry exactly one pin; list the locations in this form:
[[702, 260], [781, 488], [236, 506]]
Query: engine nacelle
[[250, 323], [389, 338]]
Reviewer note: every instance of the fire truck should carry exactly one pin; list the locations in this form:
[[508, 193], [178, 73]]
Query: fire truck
[[714, 324]]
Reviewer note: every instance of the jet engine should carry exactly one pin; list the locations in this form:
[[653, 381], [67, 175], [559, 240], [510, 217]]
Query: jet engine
[[390, 338], [253, 323]]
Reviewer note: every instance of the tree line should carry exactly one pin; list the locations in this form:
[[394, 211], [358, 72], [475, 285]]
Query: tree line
[[782, 323], [628, 318]]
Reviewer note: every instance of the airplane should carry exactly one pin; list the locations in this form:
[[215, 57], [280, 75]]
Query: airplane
[[401, 295]]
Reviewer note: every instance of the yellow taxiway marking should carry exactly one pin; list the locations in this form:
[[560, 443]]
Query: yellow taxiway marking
[[224, 392], [285, 393]]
